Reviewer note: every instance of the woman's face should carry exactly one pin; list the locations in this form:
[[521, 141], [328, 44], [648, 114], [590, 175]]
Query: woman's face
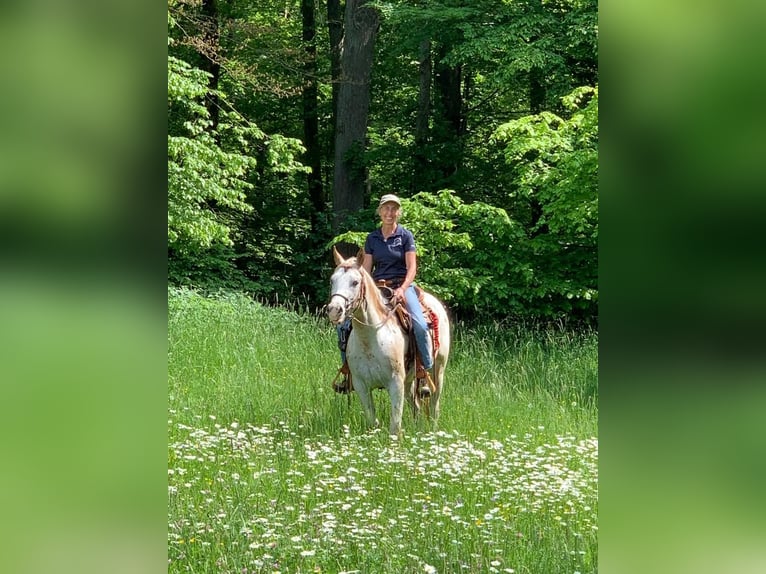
[[389, 212]]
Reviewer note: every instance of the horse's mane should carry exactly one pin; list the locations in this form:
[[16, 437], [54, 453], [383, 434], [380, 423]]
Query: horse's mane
[[372, 292], [372, 289]]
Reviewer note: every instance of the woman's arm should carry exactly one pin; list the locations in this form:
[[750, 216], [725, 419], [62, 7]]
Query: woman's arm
[[411, 261], [367, 263]]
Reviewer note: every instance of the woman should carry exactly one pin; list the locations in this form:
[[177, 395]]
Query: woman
[[389, 254]]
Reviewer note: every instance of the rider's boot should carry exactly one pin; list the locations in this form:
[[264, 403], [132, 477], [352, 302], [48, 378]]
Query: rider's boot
[[423, 380], [345, 386]]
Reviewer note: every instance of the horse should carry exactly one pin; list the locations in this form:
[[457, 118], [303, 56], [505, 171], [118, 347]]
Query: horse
[[377, 346]]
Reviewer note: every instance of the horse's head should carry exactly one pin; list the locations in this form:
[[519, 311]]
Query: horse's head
[[346, 287]]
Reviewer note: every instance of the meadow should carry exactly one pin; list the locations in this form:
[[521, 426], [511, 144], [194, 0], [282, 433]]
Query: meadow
[[271, 471]]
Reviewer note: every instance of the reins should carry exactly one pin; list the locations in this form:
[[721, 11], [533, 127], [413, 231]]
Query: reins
[[353, 304], [387, 316], [382, 322]]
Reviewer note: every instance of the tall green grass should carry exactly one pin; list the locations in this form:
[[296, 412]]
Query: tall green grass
[[270, 470]]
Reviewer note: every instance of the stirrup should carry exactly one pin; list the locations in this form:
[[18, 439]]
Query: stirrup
[[424, 385], [344, 387]]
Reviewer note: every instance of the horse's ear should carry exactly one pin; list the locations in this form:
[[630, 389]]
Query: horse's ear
[[337, 256], [360, 256]]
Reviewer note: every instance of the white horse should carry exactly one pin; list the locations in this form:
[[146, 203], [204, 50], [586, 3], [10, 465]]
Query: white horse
[[377, 346]]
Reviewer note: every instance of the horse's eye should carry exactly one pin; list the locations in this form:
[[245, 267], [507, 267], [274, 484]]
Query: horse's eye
[[354, 283]]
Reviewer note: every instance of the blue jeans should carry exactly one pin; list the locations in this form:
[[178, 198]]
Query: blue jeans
[[419, 327], [343, 330]]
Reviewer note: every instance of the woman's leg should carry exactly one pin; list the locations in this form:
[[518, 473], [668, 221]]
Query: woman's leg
[[419, 326], [343, 330]]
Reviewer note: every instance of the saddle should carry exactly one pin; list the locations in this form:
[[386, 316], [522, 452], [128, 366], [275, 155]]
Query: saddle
[[387, 287], [425, 385]]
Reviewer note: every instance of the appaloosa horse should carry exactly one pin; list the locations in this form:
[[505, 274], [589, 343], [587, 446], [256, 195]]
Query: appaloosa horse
[[377, 346]]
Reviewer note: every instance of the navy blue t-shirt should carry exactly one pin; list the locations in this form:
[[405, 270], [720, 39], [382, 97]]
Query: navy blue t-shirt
[[388, 254]]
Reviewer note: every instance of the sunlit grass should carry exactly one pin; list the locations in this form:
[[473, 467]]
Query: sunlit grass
[[269, 470]]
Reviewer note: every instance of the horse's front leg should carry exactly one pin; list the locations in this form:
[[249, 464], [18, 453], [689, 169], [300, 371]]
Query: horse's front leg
[[368, 405], [439, 384], [396, 394]]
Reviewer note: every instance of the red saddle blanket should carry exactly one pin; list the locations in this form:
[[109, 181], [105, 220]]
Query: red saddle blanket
[[432, 320]]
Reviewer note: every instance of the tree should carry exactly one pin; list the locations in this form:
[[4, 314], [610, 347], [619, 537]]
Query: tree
[[492, 61], [335, 33], [423, 114], [361, 29], [310, 119], [199, 170], [211, 171], [211, 58], [556, 162], [444, 96]]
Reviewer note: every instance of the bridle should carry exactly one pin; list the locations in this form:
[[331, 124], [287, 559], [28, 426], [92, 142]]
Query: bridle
[[351, 304]]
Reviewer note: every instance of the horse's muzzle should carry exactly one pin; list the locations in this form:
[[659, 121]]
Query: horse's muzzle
[[335, 313]]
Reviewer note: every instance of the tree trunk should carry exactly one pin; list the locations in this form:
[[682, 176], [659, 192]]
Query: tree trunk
[[448, 80], [210, 58], [335, 30], [420, 156], [361, 30], [536, 75], [536, 91], [466, 100], [310, 119]]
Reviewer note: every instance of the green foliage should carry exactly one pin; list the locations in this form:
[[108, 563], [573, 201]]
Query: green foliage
[[515, 235], [210, 269], [275, 250], [483, 263], [212, 180], [499, 47], [458, 247], [556, 163], [503, 41], [200, 172]]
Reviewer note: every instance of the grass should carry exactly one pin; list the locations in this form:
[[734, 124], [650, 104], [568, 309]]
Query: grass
[[270, 471]]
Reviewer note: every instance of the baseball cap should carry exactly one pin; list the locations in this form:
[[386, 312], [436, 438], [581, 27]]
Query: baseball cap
[[390, 197]]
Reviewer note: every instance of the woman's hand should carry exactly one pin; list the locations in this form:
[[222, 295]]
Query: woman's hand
[[399, 295]]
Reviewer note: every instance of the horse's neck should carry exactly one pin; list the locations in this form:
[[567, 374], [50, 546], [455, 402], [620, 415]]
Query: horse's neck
[[373, 312]]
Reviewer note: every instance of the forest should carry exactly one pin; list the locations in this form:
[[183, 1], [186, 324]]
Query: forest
[[288, 120]]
